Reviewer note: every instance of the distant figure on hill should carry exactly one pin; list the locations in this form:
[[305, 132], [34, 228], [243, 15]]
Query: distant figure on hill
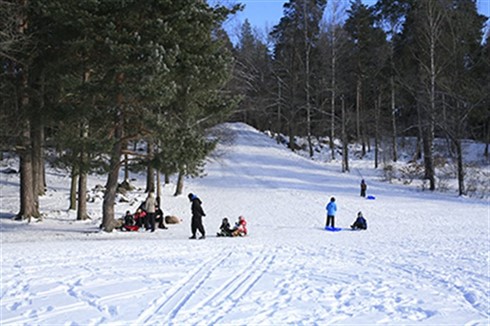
[[197, 214], [331, 210], [363, 188], [360, 223]]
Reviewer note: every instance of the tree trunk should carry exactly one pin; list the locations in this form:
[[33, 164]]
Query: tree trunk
[[37, 158], [377, 113], [393, 120], [159, 188], [73, 189], [126, 168], [332, 100], [307, 79], [345, 142], [82, 197], [150, 174], [459, 154], [82, 180], [180, 184], [112, 179], [28, 205], [108, 222]]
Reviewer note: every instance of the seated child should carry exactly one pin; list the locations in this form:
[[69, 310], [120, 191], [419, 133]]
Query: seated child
[[360, 223], [129, 223], [224, 229], [139, 217], [240, 228]]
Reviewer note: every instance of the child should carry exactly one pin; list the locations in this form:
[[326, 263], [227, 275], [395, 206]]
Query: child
[[240, 229], [360, 223], [139, 217], [129, 223], [224, 229]]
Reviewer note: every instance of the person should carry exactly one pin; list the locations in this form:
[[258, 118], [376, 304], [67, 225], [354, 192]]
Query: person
[[363, 188], [150, 208], [360, 223], [139, 217], [129, 222], [240, 229], [331, 210], [224, 229], [159, 218], [197, 214], [128, 218]]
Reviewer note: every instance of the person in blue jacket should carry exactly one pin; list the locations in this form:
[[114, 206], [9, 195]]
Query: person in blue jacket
[[331, 210]]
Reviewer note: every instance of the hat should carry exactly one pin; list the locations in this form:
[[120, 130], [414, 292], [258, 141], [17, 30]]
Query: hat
[[359, 214]]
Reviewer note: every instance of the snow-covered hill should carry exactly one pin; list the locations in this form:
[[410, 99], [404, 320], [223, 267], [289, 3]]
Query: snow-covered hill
[[423, 260]]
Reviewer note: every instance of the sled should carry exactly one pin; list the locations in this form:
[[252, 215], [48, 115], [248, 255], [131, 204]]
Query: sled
[[332, 229], [370, 197], [130, 228]]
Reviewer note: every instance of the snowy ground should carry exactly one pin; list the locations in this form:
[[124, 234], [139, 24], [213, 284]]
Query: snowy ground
[[423, 260]]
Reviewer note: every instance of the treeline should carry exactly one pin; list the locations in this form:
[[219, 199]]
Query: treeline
[[92, 80], [370, 75]]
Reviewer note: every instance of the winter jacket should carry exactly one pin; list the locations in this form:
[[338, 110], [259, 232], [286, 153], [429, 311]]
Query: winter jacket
[[331, 208], [240, 228], [150, 204], [196, 208], [360, 223]]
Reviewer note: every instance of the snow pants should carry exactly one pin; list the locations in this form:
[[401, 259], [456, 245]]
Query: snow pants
[[196, 224]]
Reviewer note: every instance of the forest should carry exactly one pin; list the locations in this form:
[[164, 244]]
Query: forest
[[107, 86]]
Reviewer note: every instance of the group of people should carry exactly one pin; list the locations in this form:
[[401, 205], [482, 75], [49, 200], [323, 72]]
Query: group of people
[[197, 211], [359, 224], [147, 215], [239, 230]]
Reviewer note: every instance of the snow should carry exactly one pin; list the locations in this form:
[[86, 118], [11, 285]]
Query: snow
[[423, 260]]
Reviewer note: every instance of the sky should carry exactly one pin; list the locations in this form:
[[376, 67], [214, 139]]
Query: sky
[[265, 14], [423, 259]]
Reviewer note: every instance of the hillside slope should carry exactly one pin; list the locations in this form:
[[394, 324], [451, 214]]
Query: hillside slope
[[423, 260]]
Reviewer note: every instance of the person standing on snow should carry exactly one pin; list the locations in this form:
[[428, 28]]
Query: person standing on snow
[[363, 188], [331, 210], [150, 208], [197, 214]]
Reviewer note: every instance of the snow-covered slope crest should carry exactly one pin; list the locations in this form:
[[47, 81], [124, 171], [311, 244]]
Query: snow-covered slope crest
[[423, 260]]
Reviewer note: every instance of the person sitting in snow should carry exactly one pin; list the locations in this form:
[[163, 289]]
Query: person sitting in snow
[[360, 223], [224, 229], [139, 217], [129, 223], [240, 229]]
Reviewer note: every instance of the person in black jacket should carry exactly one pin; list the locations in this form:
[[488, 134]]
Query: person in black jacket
[[197, 214]]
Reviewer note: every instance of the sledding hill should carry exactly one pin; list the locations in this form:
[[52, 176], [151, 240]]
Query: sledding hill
[[423, 259]]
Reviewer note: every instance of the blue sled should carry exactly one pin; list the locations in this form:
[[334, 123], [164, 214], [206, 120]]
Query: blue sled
[[332, 229], [371, 197]]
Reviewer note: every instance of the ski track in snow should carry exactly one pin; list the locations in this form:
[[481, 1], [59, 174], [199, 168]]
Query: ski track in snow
[[408, 268]]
